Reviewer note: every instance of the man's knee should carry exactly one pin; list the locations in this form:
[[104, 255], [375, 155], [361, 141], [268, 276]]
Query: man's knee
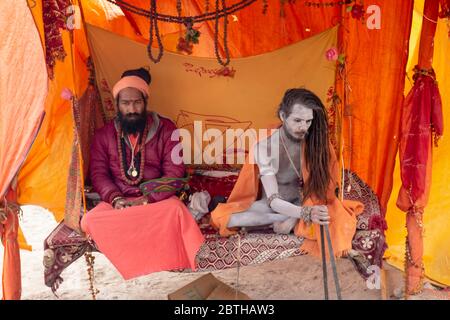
[[85, 222], [173, 206]]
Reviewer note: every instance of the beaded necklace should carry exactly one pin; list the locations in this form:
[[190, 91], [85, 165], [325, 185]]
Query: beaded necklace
[[134, 174]]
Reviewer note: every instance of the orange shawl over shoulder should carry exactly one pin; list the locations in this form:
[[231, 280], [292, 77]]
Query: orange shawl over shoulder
[[342, 213]]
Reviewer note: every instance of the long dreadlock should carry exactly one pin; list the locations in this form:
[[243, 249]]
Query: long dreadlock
[[317, 147]]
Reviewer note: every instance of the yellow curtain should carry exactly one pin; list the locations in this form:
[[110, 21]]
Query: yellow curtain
[[437, 213]]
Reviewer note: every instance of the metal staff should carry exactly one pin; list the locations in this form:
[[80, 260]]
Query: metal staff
[[333, 263], [324, 263]]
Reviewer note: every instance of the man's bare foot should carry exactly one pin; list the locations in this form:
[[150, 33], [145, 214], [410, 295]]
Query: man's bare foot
[[284, 227]]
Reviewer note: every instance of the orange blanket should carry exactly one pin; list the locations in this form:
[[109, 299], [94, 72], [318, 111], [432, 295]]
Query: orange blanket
[[144, 239], [342, 213], [11, 280], [12, 239]]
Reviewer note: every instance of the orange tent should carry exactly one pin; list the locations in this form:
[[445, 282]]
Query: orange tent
[[370, 86]]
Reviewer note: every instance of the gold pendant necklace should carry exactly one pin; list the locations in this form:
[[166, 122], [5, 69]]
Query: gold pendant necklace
[[132, 169]]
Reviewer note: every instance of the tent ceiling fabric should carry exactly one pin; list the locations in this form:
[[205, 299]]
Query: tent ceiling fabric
[[251, 34]]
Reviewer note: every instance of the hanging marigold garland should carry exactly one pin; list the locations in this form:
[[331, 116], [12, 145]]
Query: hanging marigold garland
[[191, 37], [328, 4], [54, 18]]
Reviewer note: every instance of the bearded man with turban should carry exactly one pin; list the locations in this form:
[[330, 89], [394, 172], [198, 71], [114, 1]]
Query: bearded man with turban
[[139, 232]]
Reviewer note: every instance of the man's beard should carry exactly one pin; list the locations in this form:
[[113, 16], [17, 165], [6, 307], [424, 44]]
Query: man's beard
[[133, 123], [292, 137]]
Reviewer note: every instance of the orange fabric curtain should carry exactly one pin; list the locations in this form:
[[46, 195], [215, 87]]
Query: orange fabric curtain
[[376, 61], [436, 250], [422, 109], [419, 199], [23, 86], [50, 155], [9, 233]]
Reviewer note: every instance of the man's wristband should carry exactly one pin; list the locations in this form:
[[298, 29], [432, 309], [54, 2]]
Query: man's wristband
[[305, 214], [113, 202], [273, 197]]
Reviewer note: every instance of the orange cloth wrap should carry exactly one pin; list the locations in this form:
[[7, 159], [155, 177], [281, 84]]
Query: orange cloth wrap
[[342, 213], [130, 82]]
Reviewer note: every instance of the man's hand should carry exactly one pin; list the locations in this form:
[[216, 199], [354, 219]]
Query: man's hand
[[136, 201], [119, 203], [319, 215], [123, 203]]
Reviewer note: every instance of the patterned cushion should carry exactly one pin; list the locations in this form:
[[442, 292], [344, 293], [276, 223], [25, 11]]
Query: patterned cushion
[[61, 248], [356, 189], [219, 253]]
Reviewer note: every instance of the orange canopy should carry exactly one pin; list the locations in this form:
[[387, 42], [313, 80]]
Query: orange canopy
[[367, 125]]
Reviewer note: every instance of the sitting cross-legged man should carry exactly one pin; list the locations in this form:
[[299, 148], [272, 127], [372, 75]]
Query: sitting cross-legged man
[[139, 232], [296, 169]]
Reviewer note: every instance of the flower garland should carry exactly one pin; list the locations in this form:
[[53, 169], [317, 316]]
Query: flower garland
[[328, 4], [191, 37], [54, 19], [185, 44]]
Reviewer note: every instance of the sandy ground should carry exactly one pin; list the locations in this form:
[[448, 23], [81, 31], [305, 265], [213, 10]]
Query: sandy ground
[[292, 278]]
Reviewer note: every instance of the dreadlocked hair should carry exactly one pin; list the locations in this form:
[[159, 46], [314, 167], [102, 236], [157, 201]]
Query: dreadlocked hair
[[317, 153]]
